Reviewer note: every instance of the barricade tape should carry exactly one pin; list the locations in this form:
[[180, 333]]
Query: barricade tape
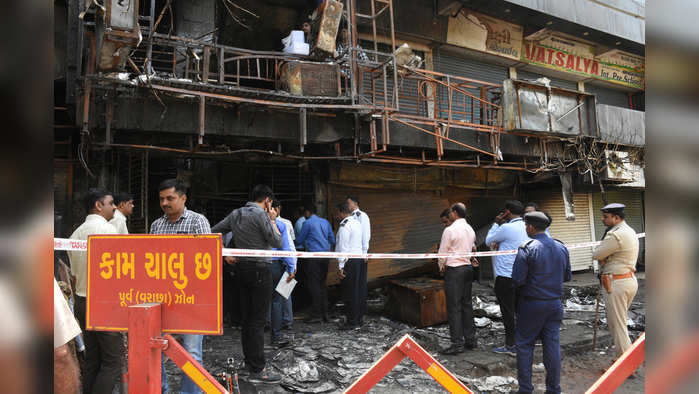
[[79, 245]]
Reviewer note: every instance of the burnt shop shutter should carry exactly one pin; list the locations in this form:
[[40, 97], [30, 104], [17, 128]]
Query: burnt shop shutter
[[608, 96], [570, 231], [635, 217], [452, 64], [558, 82], [401, 222]]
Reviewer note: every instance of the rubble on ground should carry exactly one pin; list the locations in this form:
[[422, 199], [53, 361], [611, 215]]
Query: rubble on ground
[[323, 359]]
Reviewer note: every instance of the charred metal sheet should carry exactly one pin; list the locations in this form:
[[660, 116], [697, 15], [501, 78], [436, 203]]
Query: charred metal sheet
[[568, 199], [418, 301], [537, 108], [330, 16], [621, 125], [302, 78]]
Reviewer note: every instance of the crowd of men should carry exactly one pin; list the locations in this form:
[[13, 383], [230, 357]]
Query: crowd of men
[[528, 286], [256, 225]]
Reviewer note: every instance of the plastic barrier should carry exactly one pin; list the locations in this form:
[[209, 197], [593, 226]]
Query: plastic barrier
[[79, 245], [621, 369], [407, 347]]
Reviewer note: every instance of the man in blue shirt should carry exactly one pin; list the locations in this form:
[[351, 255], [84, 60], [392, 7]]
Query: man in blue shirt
[[279, 265], [509, 233], [305, 214], [316, 235], [540, 268]]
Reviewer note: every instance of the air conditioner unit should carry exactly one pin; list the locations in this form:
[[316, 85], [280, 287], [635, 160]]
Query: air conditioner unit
[[620, 169]]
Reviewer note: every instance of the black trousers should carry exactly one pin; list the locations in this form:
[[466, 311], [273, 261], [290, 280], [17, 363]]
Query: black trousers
[[255, 281], [505, 293], [317, 275], [231, 296], [364, 291], [457, 290], [354, 291], [103, 355]]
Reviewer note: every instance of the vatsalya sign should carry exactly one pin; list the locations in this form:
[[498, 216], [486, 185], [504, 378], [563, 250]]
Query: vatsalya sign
[[562, 53], [484, 33], [181, 272]]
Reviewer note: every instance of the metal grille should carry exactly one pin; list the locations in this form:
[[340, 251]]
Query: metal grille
[[132, 177], [291, 185]]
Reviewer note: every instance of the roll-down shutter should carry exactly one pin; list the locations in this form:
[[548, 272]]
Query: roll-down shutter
[[570, 231], [469, 68]]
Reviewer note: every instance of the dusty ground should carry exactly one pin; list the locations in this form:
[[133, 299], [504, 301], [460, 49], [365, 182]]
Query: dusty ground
[[323, 359]]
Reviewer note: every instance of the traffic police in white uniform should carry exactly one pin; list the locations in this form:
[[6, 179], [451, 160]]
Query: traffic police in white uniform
[[363, 218], [349, 240]]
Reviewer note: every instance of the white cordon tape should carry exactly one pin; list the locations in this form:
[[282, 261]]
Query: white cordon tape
[[77, 245]]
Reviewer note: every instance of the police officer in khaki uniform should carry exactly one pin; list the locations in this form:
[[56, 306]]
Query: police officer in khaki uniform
[[617, 255]]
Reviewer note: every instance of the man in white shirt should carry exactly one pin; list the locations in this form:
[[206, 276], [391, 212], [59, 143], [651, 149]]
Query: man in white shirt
[[349, 240], [459, 237], [287, 222], [363, 218], [103, 350], [124, 205], [66, 374]]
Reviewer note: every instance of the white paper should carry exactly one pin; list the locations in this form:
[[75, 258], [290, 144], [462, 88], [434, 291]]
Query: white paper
[[285, 288]]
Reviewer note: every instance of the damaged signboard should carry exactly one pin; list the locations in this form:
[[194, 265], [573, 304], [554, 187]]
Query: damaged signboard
[[302, 78], [569, 54], [538, 107], [481, 32]]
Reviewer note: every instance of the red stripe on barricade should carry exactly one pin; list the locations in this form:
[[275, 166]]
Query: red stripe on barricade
[[678, 366], [407, 347], [621, 369]]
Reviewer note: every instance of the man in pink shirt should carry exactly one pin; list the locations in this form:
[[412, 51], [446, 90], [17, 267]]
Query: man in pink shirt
[[459, 237]]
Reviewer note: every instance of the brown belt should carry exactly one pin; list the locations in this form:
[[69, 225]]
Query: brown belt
[[623, 276]]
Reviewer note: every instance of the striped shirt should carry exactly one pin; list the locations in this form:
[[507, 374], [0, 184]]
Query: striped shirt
[[188, 223]]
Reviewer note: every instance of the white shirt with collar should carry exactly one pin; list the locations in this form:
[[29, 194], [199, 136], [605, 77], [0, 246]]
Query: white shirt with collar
[[119, 222], [289, 228], [363, 219], [349, 238], [94, 224]]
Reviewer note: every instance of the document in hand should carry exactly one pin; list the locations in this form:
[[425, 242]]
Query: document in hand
[[285, 288]]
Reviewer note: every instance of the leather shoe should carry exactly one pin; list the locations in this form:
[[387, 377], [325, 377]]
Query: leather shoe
[[453, 349], [471, 345], [281, 342]]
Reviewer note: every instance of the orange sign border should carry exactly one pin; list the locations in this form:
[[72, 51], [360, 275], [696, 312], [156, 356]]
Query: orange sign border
[[219, 302]]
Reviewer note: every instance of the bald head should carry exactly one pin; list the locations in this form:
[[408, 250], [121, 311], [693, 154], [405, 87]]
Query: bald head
[[459, 210]]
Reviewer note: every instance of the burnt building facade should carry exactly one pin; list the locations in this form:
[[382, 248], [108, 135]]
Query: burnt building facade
[[434, 102]]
